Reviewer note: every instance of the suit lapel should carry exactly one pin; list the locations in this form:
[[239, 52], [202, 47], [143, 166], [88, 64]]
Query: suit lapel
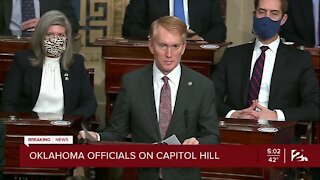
[[246, 66], [164, 7], [43, 8], [66, 79], [36, 75], [279, 65], [7, 8], [191, 16], [148, 100], [306, 7], [184, 91]]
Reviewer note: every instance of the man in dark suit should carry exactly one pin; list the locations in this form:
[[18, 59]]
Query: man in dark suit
[[288, 88], [1, 18], [2, 141], [203, 18], [64, 6], [139, 106], [301, 26]]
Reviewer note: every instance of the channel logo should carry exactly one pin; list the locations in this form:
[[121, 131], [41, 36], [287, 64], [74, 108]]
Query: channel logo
[[298, 156]]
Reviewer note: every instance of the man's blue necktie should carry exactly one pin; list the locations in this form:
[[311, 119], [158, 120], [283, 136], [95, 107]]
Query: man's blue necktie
[[179, 10], [27, 10], [255, 81]]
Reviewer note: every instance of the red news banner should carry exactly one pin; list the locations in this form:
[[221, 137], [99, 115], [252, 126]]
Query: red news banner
[[138, 155]]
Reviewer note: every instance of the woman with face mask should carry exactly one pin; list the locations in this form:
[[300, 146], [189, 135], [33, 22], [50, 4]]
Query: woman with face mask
[[49, 79]]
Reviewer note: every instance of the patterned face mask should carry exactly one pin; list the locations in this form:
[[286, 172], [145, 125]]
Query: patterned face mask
[[55, 45]]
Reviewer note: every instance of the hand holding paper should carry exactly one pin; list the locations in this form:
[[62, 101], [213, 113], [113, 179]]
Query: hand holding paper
[[172, 140], [88, 135]]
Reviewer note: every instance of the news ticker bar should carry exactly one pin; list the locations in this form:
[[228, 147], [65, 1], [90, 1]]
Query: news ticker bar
[[127, 155]]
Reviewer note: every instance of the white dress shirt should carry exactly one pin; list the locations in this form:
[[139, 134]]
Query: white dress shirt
[[174, 79], [50, 103], [316, 21], [263, 98]]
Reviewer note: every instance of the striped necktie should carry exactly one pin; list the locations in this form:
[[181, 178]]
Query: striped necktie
[[255, 81]]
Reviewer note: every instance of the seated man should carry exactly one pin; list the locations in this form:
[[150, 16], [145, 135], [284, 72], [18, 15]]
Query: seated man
[[267, 79], [17, 18], [203, 18], [302, 26]]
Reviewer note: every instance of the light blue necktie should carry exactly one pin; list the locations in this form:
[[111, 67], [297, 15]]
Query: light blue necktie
[[179, 10]]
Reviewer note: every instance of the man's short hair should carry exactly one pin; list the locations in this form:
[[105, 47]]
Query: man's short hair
[[170, 23], [284, 5]]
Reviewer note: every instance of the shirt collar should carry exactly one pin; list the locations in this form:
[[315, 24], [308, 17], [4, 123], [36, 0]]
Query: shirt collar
[[174, 75], [52, 59], [272, 46]]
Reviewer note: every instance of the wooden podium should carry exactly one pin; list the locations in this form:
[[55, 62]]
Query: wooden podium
[[29, 124], [122, 56], [240, 132]]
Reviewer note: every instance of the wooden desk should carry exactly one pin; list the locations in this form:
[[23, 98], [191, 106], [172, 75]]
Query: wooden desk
[[30, 125], [122, 56], [315, 52], [241, 131], [9, 45]]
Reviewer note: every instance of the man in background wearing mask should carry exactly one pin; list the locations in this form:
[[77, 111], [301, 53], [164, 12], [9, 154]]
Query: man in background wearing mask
[[267, 79]]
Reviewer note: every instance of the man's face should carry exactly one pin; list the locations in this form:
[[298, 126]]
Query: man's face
[[271, 9], [167, 48]]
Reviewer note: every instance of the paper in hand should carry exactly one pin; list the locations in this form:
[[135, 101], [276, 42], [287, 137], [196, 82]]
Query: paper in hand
[[172, 140], [88, 135]]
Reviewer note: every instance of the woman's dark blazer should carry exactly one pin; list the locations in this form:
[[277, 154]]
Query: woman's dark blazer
[[22, 87]]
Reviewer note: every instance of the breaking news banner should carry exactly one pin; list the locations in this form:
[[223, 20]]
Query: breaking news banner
[[35, 154], [47, 140]]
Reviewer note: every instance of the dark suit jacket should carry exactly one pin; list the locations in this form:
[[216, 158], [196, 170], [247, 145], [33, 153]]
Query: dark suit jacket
[[22, 87], [299, 27], [194, 116], [64, 6], [1, 18], [294, 87], [204, 18], [2, 142]]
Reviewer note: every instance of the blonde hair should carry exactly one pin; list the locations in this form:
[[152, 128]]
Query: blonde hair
[[171, 23], [48, 19]]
